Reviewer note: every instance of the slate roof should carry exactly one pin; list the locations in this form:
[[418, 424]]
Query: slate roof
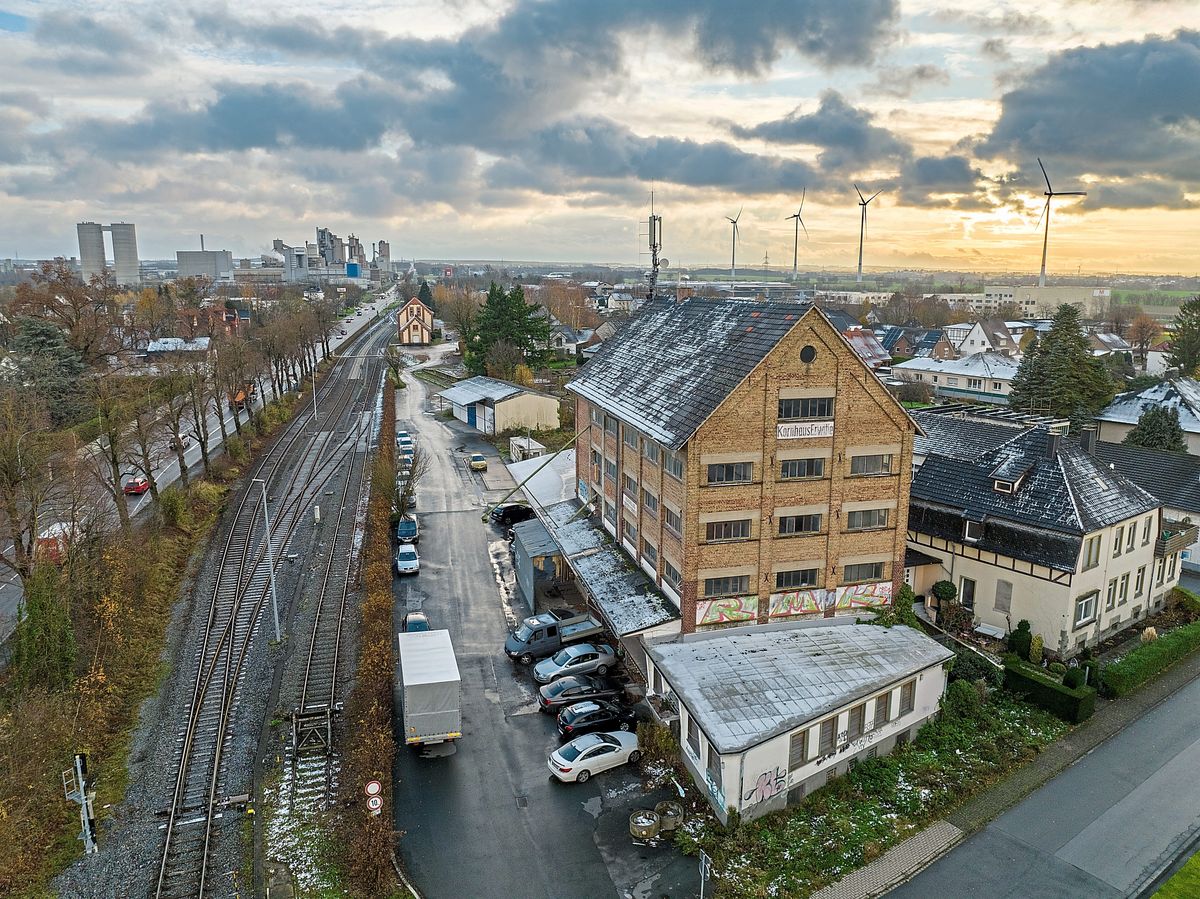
[[840, 318], [1058, 501], [624, 594], [961, 437], [673, 363], [746, 686], [1179, 393], [1172, 477]]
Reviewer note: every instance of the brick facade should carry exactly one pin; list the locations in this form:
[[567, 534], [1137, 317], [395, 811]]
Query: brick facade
[[866, 421]]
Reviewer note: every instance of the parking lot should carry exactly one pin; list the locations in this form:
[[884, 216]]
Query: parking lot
[[484, 816]]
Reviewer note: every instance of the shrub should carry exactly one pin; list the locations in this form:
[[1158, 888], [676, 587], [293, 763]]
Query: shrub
[[1149, 635], [943, 591], [236, 448], [1035, 649], [1073, 678], [962, 700], [971, 666], [1149, 659], [1186, 602], [1071, 704], [954, 617], [1020, 641], [1057, 668], [173, 506]]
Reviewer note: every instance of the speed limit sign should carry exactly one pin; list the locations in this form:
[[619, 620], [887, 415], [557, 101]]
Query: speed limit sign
[[373, 788], [375, 804]]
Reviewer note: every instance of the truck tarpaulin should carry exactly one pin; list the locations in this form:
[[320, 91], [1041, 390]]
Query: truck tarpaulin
[[431, 687]]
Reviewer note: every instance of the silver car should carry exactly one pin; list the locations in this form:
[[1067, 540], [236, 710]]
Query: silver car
[[582, 658]]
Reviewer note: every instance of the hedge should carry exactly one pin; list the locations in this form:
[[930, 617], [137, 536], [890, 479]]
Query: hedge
[[1070, 705], [1188, 601], [1149, 659]]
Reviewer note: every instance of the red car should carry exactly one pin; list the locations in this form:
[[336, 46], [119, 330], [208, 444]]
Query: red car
[[136, 486]]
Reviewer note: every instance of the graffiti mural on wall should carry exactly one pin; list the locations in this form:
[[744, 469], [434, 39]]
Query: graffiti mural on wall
[[726, 609], [811, 602], [768, 785]]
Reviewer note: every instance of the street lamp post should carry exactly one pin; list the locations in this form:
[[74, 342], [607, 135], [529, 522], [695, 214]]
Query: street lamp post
[[270, 558]]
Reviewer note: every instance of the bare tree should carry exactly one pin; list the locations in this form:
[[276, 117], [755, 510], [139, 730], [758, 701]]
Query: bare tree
[[502, 359], [147, 423], [107, 456], [84, 311], [1143, 332], [409, 473], [25, 481]]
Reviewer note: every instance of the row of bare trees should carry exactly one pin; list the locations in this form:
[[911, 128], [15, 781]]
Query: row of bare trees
[[138, 413]]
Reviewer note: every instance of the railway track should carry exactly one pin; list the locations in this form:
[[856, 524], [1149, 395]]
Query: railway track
[[234, 615]]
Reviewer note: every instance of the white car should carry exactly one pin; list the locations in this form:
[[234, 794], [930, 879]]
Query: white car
[[407, 560], [591, 754]]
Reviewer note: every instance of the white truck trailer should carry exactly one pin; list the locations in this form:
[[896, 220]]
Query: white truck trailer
[[431, 690]]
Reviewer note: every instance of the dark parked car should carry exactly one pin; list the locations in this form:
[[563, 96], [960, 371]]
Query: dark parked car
[[407, 530], [513, 513], [415, 621], [594, 715], [575, 688]]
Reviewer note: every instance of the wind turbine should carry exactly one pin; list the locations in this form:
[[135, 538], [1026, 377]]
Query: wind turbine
[[799, 225], [733, 258], [862, 228], [1050, 194]]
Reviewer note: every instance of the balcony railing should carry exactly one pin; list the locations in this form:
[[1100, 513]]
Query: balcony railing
[[1174, 537]]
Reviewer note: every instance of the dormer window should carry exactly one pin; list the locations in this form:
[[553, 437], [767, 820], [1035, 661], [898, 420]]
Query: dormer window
[[973, 531], [1002, 486]]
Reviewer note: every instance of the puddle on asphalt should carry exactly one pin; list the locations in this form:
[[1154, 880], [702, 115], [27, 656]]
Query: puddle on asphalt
[[438, 751], [594, 806]]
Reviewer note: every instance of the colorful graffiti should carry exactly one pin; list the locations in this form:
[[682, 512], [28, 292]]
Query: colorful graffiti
[[811, 602], [715, 791], [767, 786], [726, 609]]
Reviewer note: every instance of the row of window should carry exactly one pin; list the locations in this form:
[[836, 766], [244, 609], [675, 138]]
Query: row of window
[[796, 525], [1124, 541], [798, 469], [972, 383], [799, 751], [792, 579], [1117, 592]]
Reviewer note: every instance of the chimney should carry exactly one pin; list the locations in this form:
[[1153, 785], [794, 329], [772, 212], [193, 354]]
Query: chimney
[[1052, 443], [201, 243], [1087, 439]]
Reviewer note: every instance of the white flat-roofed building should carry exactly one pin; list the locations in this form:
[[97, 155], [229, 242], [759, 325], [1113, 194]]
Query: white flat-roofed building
[[769, 714]]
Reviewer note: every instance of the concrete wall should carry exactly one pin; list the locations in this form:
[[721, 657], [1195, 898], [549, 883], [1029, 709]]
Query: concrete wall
[[758, 780]]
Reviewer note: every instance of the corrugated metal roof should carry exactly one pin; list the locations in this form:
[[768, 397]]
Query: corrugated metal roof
[[474, 390], [746, 686], [673, 363], [532, 535]]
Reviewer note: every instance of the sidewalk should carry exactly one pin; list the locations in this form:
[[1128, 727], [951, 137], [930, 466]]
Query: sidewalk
[[904, 860]]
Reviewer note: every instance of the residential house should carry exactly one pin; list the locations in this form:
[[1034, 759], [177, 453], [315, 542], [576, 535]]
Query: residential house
[[493, 406], [957, 333], [1158, 359], [1173, 478], [963, 435], [592, 344], [1120, 416], [766, 716], [1105, 344], [565, 340], [983, 377], [1039, 529], [916, 342], [988, 335], [414, 324], [747, 458]]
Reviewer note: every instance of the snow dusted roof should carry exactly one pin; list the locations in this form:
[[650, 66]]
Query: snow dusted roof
[[1181, 393], [673, 363], [473, 390], [977, 365], [961, 436], [747, 685], [627, 599], [178, 345]]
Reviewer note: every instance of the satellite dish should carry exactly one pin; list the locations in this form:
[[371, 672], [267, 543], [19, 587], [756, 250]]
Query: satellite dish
[[664, 263]]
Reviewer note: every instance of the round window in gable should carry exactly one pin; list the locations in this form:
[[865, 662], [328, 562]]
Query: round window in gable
[[808, 354]]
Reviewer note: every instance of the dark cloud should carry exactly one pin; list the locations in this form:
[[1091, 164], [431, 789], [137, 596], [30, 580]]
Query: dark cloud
[[904, 81], [81, 44], [1128, 112], [938, 181], [844, 133], [1142, 194], [996, 48]]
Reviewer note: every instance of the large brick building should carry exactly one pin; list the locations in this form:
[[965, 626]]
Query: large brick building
[[747, 459]]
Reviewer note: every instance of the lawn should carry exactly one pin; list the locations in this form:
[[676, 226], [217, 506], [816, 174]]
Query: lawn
[[1185, 884], [882, 801]]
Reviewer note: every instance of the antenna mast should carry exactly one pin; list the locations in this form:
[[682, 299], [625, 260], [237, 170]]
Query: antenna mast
[[655, 248]]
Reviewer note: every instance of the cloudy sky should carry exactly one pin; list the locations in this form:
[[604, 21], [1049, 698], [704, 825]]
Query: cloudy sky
[[536, 129]]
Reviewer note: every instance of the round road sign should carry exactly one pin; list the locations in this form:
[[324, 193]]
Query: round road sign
[[373, 788], [374, 803]]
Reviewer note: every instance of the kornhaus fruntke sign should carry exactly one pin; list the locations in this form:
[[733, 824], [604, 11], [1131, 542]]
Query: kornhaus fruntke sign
[[799, 430]]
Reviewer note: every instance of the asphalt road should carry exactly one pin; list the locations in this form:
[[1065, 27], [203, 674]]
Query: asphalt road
[[488, 819], [168, 472], [1103, 828]]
